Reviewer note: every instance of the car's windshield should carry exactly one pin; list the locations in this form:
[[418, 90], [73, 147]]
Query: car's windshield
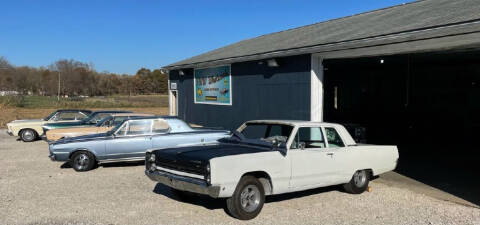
[[267, 132], [117, 126], [50, 116], [103, 121]]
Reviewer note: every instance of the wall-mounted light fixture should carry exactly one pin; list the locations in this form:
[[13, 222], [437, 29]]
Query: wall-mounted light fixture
[[181, 73], [382, 61], [272, 63], [164, 71]]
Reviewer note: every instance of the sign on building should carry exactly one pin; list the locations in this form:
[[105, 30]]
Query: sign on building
[[213, 86]]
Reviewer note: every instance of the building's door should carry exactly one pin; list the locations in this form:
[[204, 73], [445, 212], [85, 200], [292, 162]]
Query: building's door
[[174, 104]]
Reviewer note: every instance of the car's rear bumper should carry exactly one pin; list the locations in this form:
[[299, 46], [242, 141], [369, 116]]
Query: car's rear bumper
[[183, 183]]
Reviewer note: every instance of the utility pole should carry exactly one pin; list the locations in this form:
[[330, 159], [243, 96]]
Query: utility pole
[[58, 96]]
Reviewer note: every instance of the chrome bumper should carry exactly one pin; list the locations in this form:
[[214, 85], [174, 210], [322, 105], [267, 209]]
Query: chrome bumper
[[183, 183], [9, 133]]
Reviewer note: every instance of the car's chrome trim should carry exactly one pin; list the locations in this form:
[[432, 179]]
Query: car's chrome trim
[[122, 160], [127, 153], [183, 183], [180, 173], [58, 153]]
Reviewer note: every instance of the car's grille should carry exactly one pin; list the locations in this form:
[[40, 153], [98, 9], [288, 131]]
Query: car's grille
[[183, 166]]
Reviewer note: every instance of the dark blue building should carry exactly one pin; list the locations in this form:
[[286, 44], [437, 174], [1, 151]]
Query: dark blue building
[[407, 75]]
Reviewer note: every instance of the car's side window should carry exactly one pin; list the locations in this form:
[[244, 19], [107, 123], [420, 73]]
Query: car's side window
[[333, 138], [160, 126], [69, 116], [308, 137], [139, 127]]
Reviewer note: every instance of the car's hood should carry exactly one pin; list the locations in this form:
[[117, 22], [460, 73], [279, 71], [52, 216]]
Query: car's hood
[[206, 152], [81, 138], [26, 121]]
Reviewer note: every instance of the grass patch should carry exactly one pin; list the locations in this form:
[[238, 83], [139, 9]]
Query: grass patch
[[15, 113], [89, 102]]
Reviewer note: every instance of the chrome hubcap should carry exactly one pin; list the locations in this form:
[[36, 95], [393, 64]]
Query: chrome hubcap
[[250, 198], [359, 178], [27, 135], [81, 161]]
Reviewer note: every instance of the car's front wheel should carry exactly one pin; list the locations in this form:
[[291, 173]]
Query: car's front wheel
[[82, 161], [247, 200], [359, 182], [28, 135]]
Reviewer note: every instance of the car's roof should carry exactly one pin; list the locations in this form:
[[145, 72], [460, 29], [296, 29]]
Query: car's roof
[[293, 122], [132, 114], [74, 110], [153, 117], [112, 111]]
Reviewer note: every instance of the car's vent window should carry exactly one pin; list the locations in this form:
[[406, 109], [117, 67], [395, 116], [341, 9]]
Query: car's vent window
[[333, 138]]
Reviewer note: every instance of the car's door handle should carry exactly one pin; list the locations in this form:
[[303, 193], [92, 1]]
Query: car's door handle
[[330, 154]]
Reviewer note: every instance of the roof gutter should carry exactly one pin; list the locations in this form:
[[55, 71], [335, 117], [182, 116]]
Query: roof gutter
[[458, 29]]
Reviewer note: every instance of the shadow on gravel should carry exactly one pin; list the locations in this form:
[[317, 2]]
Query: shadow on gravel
[[301, 194], [123, 164], [213, 203], [66, 165], [200, 200]]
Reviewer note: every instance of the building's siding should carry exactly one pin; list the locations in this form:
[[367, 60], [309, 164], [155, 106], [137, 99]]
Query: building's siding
[[258, 92]]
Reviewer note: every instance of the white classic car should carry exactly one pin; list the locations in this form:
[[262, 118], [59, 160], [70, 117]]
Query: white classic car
[[267, 158]]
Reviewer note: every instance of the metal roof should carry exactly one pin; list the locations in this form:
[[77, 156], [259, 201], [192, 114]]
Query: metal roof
[[411, 18]]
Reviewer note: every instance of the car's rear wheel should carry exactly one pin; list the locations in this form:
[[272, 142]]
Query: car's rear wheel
[[82, 161], [359, 182], [28, 135], [247, 200]]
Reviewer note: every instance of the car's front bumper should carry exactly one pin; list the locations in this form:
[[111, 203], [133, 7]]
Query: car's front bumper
[[9, 133], [183, 183]]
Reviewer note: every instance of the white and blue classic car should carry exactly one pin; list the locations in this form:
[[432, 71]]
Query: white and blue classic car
[[270, 157], [129, 141]]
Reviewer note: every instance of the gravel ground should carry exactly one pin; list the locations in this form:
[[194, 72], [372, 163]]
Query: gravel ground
[[34, 190]]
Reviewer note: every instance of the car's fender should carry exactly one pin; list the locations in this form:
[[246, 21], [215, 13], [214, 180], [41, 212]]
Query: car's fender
[[273, 163]]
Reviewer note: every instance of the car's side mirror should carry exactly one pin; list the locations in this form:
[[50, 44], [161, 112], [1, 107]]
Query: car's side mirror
[[301, 145]]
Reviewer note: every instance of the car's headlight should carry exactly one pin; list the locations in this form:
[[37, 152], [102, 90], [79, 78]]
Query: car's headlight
[[151, 158]]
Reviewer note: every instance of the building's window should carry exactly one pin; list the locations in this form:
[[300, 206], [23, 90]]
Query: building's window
[[333, 138]]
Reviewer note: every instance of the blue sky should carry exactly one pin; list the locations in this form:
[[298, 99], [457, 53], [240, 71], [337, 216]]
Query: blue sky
[[122, 36]]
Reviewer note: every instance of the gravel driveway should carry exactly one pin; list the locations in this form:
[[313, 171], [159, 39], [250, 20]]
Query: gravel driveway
[[34, 190]]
